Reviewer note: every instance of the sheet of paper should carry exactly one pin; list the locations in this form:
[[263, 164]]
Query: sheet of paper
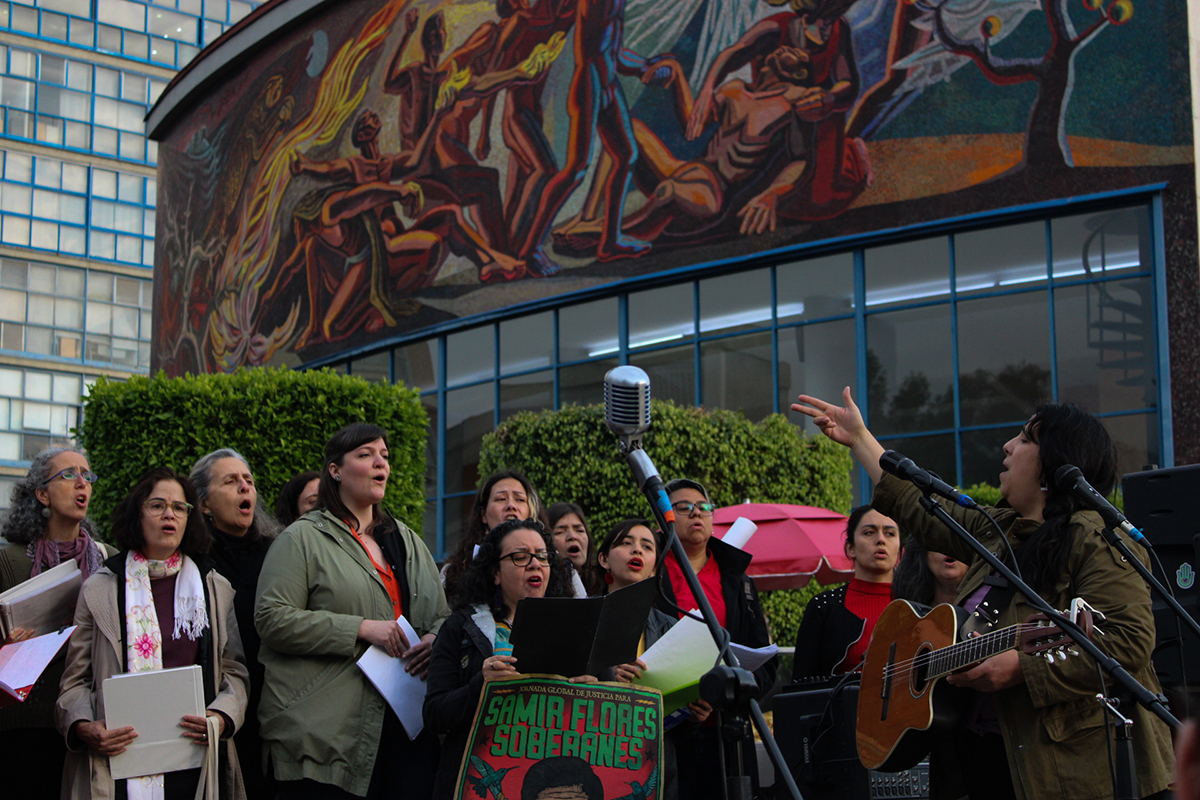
[[751, 658], [22, 663], [154, 703], [680, 657], [404, 692]]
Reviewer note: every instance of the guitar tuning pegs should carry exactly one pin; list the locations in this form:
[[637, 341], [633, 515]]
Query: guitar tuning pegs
[[1062, 656], [1073, 651]]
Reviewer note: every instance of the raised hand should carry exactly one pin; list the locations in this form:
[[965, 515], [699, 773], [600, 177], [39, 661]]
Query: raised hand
[[844, 425]]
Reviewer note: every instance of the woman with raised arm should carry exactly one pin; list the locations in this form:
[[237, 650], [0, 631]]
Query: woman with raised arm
[[837, 623], [1053, 730], [333, 584]]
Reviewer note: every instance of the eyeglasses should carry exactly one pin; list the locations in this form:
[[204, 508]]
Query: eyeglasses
[[521, 558], [156, 507], [73, 474], [685, 508]]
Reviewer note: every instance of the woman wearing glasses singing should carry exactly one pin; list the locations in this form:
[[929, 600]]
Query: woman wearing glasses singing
[[157, 604], [516, 560], [47, 525], [334, 583], [721, 569]]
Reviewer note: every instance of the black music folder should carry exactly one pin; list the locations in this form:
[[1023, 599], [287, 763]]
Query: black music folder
[[568, 636]]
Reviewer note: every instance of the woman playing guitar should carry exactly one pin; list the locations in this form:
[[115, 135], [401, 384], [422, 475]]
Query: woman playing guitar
[[1052, 726]]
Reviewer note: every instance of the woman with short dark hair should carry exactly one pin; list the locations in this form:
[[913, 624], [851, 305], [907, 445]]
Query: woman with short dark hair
[[1051, 727], [334, 583], [157, 604]]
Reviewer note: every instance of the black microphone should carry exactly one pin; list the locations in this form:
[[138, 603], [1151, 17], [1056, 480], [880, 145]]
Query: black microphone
[[1069, 479], [905, 468]]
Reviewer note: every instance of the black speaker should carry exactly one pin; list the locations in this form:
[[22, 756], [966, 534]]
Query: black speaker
[[814, 727], [1163, 504]]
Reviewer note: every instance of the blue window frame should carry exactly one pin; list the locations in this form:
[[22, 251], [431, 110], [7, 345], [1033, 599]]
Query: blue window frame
[[1057, 302]]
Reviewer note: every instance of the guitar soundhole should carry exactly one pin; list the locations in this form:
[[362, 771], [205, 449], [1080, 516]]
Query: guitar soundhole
[[920, 670]]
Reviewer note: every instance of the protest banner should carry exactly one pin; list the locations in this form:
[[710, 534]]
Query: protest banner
[[541, 734]]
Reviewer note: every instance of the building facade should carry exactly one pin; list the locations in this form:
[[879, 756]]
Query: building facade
[[77, 199], [939, 207]]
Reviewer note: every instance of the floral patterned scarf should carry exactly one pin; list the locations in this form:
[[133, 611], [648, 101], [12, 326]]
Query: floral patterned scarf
[[143, 634]]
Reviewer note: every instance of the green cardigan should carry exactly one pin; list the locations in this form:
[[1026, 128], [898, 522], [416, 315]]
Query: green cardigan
[[321, 718], [1052, 725]]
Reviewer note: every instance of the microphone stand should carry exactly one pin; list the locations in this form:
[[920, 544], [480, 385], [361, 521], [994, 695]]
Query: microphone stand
[[1152, 702], [646, 477]]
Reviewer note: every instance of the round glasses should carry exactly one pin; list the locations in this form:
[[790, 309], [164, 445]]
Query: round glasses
[[73, 474], [521, 558], [685, 507], [156, 507]]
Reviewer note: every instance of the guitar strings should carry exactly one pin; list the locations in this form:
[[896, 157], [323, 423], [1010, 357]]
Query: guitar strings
[[905, 668]]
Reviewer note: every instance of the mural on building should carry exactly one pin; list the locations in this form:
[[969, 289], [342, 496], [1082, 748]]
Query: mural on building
[[386, 166]]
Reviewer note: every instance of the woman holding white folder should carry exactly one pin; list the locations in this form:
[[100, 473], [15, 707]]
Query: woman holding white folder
[[158, 604], [333, 583], [47, 525]]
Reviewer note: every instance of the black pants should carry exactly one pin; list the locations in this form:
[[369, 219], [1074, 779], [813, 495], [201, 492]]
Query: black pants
[[36, 756]]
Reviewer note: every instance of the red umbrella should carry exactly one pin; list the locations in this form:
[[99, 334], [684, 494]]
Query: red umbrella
[[793, 544]]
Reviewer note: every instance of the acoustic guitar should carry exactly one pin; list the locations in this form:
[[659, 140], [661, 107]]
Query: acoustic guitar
[[902, 700]]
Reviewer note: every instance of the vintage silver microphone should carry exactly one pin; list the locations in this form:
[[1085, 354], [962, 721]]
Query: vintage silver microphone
[[627, 404]]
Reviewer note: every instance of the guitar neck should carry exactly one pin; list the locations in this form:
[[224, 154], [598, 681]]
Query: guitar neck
[[971, 651]]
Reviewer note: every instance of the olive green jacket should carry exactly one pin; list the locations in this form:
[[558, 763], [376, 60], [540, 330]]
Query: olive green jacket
[[321, 718], [1054, 729]]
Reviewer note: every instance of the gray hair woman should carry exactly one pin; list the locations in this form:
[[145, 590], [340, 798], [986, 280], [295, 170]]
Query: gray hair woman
[[47, 524], [242, 531]]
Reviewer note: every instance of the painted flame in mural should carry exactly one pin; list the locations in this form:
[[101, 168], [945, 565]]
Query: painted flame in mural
[[232, 330]]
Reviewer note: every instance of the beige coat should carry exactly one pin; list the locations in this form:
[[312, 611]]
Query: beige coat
[[95, 653]]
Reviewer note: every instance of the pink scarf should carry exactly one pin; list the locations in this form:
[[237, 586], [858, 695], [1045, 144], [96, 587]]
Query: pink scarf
[[46, 553]]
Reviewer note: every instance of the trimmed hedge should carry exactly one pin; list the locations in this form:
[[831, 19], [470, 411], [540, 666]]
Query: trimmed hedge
[[279, 419], [571, 455]]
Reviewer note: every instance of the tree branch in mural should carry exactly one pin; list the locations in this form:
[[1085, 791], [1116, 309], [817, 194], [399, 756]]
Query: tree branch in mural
[[1046, 146]]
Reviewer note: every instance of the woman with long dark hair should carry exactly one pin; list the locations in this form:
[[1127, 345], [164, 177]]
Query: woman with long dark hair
[[297, 497], [1053, 730], [516, 560], [47, 524], [573, 540], [157, 604], [505, 495], [926, 576], [334, 583], [838, 623]]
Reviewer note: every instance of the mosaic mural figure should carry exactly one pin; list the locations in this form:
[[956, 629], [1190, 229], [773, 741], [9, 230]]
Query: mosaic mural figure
[[596, 105], [788, 121]]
